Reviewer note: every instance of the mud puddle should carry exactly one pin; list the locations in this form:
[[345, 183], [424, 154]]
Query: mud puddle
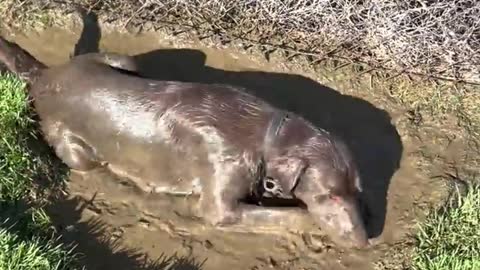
[[117, 223]]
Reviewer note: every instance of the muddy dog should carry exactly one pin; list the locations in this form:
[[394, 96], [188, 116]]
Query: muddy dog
[[213, 140]]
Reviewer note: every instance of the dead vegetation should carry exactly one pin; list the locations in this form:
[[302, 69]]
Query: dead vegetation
[[434, 38]]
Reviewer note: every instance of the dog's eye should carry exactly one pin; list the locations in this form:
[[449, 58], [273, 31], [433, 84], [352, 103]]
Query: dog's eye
[[334, 198], [324, 198]]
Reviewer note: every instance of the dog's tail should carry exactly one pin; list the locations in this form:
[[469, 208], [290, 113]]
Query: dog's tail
[[88, 44], [116, 61], [19, 61]]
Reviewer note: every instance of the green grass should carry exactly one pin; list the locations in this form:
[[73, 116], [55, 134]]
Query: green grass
[[15, 124], [35, 253], [449, 239], [26, 240]]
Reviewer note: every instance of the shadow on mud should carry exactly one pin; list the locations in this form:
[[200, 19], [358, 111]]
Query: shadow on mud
[[95, 251], [99, 250]]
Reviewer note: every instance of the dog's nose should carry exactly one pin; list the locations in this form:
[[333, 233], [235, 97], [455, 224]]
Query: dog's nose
[[354, 240], [359, 239], [362, 244]]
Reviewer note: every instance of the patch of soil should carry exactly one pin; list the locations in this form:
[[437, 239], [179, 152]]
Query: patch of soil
[[120, 223]]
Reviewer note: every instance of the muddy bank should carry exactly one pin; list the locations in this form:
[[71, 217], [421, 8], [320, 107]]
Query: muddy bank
[[375, 127]]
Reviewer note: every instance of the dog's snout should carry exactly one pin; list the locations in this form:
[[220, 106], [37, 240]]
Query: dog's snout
[[358, 237], [362, 244]]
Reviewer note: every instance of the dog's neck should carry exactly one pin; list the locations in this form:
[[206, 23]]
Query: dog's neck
[[273, 129], [270, 147], [286, 137]]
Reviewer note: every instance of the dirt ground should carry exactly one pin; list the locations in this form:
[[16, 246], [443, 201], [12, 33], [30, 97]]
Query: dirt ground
[[118, 227]]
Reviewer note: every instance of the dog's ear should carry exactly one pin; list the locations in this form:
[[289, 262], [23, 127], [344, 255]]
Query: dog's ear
[[287, 170], [355, 178], [358, 184]]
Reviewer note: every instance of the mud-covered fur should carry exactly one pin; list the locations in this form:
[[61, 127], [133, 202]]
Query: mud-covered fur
[[178, 137]]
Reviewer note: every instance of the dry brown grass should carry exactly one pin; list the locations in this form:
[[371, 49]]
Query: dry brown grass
[[439, 38]]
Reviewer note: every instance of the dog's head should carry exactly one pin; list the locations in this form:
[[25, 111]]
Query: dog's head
[[318, 169]]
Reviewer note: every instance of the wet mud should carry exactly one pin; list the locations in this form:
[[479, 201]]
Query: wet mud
[[116, 226]]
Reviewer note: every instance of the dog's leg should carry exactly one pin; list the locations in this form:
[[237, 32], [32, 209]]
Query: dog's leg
[[253, 215], [219, 198], [71, 149], [260, 219], [222, 200]]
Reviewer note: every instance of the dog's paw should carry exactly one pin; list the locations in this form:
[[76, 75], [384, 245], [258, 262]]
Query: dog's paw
[[226, 220], [315, 243]]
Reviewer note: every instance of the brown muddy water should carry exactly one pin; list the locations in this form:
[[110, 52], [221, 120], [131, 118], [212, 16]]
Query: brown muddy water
[[114, 224]]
